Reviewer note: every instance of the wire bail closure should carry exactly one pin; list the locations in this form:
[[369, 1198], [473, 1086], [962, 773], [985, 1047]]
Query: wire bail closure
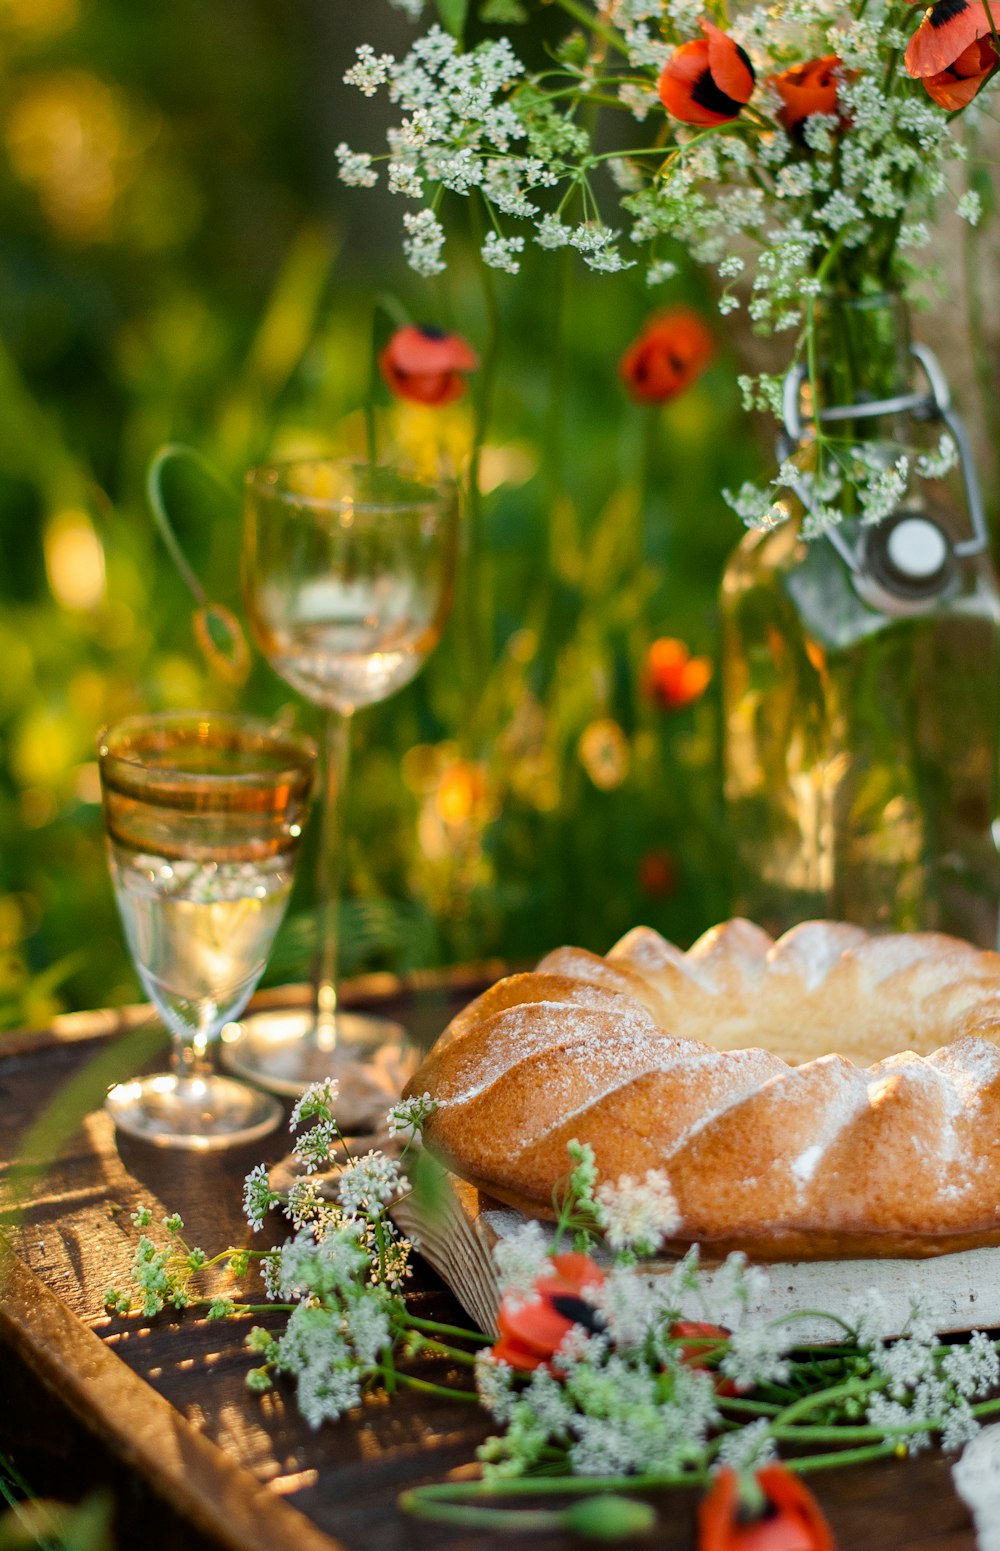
[[932, 403]]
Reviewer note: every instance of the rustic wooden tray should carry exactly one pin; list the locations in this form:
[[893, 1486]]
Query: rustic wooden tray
[[159, 1412]]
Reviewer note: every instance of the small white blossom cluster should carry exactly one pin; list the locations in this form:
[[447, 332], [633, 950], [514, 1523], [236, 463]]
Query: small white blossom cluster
[[878, 476], [344, 1264], [638, 1214], [624, 1393], [520, 1259], [410, 1116], [472, 124], [614, 1415], [926, 1383]]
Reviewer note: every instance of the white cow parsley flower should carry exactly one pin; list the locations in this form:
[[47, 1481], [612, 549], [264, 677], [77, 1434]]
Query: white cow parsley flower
[[638, 1214], [369, 1184], [520, 1258], [501, 252], [424, 242]]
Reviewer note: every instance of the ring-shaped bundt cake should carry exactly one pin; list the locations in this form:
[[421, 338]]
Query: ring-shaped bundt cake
[[830, 1094]]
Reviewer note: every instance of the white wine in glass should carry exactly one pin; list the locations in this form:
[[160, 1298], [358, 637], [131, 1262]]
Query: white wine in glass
[[203, 815], [348, 575]]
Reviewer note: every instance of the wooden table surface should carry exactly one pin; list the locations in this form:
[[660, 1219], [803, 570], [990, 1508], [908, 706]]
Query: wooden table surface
[[158, 1410]]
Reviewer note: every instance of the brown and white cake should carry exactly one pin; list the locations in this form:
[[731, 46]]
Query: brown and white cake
[[830, 1094]]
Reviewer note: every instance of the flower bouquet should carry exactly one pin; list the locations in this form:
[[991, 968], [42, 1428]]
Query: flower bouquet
[[797, 149]]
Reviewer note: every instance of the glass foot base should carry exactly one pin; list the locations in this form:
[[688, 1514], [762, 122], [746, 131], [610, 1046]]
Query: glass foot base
[[203, 1114], [371, 1059]]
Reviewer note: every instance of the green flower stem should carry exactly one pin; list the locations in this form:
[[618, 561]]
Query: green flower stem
[[426, 1387], [748, 1407], [812, 362], [158, 506], [478, 613], [840, 1457], [986, 1408], [371, 435], [853, 1389], [439, 1349], [861, 1433], [482, 1518], [547, 1486], [254, 1308], [435, 1328], [854, 1434]]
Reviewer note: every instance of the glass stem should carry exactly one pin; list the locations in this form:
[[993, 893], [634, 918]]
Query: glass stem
[[192, 1055], [329, 876]]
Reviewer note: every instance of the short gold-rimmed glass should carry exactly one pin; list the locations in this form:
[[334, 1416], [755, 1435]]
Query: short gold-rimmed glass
[[203, 815], [348, 576]]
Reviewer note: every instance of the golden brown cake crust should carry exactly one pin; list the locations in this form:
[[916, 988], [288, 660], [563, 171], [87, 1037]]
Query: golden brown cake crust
[[831, 1094]]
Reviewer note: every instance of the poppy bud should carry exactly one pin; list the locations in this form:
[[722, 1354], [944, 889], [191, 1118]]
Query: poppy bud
[[427, 365], [807, 89], [672, 351], [707, 81], [609, 1518]]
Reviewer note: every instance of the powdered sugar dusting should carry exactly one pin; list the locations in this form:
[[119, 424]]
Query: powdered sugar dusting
[[971, 1064], [932, 1114], [518, 1033], [645, 950], [736, 951], [885, 956], [812, 949], [804, 1166]]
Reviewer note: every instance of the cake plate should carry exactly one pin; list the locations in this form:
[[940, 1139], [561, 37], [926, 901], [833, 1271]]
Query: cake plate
[[960, 1292]]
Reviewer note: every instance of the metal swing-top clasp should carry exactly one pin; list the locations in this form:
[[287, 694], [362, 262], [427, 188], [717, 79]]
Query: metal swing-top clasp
[[905, 562]]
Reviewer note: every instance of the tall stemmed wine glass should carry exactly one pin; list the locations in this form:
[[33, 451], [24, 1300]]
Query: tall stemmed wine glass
[[203, 815], [348, 574]]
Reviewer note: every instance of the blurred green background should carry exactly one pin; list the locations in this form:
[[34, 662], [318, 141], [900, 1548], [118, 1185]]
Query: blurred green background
[[179, 263]]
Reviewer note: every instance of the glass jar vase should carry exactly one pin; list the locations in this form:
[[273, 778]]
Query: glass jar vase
[[861, 671]]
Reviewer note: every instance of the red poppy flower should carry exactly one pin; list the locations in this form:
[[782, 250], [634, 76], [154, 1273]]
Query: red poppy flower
[[696, 1338], [955, 87], [791, 1520], [671, 677], [707, 81], [669, 355], [657, 874], [427, 365], [807, 89], [532, 1332], [944, 35]]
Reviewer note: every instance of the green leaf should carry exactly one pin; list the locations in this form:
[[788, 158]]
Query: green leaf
[[453, 15]]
